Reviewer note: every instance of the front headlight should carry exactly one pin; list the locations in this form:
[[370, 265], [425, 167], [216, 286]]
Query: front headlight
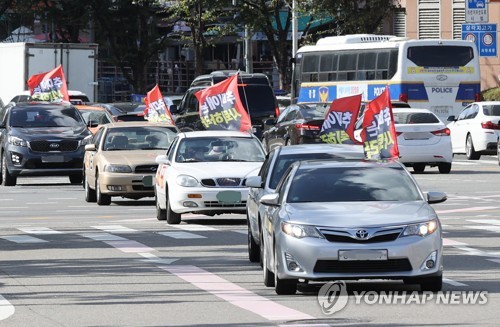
[[300, 231], [17, 141], [117, 169], [422, 229], [187, 181]]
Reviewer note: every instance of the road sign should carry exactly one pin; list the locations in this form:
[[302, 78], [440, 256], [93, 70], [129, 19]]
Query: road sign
[[484, 36], [476, 11]]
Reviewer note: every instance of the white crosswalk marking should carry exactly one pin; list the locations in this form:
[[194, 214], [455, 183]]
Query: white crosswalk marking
[[194, 227], [485, 221], [453, 282], [181, 235], [156, 260], [491, 228], [39, 230], [23, 239], [115, 229], [103, 237]]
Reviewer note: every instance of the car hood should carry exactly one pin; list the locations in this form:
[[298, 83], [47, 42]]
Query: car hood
[[132, 157], [203, 170], [37, 133], [356, 214]]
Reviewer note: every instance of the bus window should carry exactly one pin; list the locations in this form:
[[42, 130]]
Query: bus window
[[440, 56]]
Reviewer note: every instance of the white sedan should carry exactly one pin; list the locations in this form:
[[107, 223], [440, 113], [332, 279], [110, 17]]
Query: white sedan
[[203, 172], [476, 130], [423, 139]]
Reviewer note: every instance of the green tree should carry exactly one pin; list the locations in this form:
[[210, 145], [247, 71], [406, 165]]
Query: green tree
[[203, 17]]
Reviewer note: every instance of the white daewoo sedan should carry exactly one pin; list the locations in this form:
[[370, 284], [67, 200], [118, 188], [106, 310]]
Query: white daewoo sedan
[[340, 220], [203, 172], [476, 130], [423, 140]]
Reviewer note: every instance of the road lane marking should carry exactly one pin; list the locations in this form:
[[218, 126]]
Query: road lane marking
[[39, 230], [73, 210], [103, 237], [466, 209], [486, 221], [241, 231], [490, 228], [494, 260], [181, 235], [450, 242], [6, 309], [40, 203], [129, 246], [23, 239], [156, 260], [235, 294], [115, 229], [453, 282], [195, 227]]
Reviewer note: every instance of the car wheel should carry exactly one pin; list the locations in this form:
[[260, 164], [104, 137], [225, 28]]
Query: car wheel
[[419, 168], [173, 218], [101, 199], [431, 284], [90, 194], [283, 286], [75, 179], [161, 214], [470, 152], [253, 248], [445, 167], [7, 178], [267, 274]]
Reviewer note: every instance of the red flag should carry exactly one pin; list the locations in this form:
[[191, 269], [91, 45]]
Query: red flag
[[156, 108], [378, 131], [220, 107], [338, 127], [49, 86]]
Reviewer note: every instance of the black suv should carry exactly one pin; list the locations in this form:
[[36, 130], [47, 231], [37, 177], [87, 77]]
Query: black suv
[[255, 92], [41, 139]]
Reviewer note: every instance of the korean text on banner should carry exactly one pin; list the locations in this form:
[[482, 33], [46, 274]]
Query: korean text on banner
[[156, 108], [49, 86], [338, 127], [220, 107], [378, 131]]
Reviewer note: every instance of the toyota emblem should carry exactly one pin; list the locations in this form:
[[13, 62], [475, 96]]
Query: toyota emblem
[[441, 78], [54, 145], [362, 233]]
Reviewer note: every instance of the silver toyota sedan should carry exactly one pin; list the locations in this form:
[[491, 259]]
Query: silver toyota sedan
[[351, 220]]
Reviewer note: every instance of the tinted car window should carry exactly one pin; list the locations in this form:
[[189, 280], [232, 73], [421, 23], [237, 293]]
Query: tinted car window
[[41, 117], [491, 110], [347, 184], [260, 98], [285, 161], [444, 56], [415, 118]]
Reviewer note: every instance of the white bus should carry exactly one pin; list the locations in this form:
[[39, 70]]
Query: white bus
[[437, 74]]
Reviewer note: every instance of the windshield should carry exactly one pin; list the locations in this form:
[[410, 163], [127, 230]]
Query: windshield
[[139, 138], [97, 116], [45, 117], [211, 149], [283, 162], [352, 184], [441, 56]]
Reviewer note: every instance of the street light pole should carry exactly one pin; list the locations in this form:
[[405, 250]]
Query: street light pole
[[294, 29]]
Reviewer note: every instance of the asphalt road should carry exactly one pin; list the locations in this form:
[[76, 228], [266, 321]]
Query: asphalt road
[[64, 262]]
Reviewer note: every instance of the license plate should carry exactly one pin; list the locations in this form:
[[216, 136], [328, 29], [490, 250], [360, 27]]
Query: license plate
[[53, 159], [353, 255], [416, 136], [229, 197]]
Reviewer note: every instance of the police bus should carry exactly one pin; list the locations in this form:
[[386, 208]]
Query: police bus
[[437, 74]]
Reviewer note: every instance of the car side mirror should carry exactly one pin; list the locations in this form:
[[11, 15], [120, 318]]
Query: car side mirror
[[436, 197], [90, 147], [270, 199], [254, 181], [162, 159], [173, 109], [451, 118]]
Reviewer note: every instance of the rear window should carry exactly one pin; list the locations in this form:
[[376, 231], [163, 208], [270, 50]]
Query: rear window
[[259, 98], [491, 110], [440, 56], [415, 118]]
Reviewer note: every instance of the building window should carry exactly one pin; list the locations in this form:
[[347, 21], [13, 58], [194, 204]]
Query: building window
[[399, 23], [429, 19], [458, 18]]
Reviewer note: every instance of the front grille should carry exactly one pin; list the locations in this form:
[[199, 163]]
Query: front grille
[[362, 266], [348, 239], [54, 146], [222, 182], [217, 204], [146, 169]]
